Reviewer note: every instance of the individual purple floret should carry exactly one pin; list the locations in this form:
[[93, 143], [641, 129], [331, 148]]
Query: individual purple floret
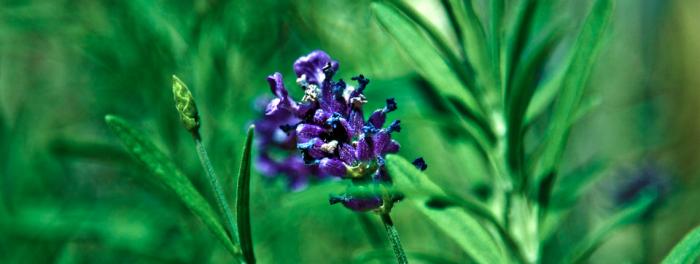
[[328, 128]]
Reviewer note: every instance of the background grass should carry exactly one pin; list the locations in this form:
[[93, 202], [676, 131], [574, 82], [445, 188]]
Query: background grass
[[70, 193]]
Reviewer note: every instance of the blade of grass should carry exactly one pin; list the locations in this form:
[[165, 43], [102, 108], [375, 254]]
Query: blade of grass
[[473, 39], [586, 48], [167, 173], [243, 200], [687, 251]]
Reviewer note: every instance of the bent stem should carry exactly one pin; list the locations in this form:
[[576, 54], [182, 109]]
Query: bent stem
[[393, 236], [216, 187]]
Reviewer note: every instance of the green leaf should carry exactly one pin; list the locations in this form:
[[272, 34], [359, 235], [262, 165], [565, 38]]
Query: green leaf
[[586, 49], [594, 239], [473, 39], [461, 227], [568, 189], [167, 173], [687, 251], [427, 60], [243, 200]]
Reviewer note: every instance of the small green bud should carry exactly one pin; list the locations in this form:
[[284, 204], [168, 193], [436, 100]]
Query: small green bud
[[184, 102]]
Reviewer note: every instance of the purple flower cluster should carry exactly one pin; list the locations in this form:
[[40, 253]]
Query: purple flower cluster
[[328, 130]]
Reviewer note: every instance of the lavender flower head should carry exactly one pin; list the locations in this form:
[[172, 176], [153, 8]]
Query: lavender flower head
[[329, 131]]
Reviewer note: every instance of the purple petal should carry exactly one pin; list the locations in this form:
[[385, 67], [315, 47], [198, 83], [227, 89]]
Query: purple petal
[[357, 120], [266, 165], [363, 151], [347, 153], [313, 148], [333, 167], [380, 140], [321, 116], [277, 85], [274, 107], [392, 147], [312, 65], [306, 132], [377, 118]]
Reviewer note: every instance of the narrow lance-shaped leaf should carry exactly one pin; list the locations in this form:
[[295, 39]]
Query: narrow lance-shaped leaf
[[586, 47], [243, 200], [426, 59], [687, 251], [473, 40], [461, 227], [167, 173]]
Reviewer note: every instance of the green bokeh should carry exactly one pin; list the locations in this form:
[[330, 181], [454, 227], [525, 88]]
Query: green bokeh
[[69, 193]]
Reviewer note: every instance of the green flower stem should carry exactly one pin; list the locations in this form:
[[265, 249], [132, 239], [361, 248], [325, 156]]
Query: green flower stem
[[393, 236], [216, 187]]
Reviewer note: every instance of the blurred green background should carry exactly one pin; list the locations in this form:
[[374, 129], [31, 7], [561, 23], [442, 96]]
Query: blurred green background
[[69, 193]]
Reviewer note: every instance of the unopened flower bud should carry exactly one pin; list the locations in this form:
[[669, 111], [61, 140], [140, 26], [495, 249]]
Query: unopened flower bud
[[184, 102]]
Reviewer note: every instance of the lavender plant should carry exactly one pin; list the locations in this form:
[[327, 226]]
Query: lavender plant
[[493, 75], [333, 139]]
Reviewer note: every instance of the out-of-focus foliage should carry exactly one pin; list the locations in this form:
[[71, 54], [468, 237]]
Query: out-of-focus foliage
[[69, 192]]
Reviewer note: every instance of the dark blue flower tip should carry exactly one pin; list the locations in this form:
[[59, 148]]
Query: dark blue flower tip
[[358, 204], [390, 105], [286, 128], [369, 129], [420, 163], [362, 83], [395, 126], [334, 119], [328, 70]]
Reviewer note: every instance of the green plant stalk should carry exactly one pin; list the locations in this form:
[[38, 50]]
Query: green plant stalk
[[216, 188], [393, 236]]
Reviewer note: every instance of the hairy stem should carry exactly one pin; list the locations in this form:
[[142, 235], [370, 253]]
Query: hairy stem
[[224, 208], [393, 236]]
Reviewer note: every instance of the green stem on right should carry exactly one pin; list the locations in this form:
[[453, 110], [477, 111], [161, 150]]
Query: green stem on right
[[224, 208], [393, 236]]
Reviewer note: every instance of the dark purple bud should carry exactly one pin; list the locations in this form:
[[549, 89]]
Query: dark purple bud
[[332, 167], [390, 105], [420, 163], [362, 84], [378, 118], [359, 204], [392, 147], [395, 126]]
